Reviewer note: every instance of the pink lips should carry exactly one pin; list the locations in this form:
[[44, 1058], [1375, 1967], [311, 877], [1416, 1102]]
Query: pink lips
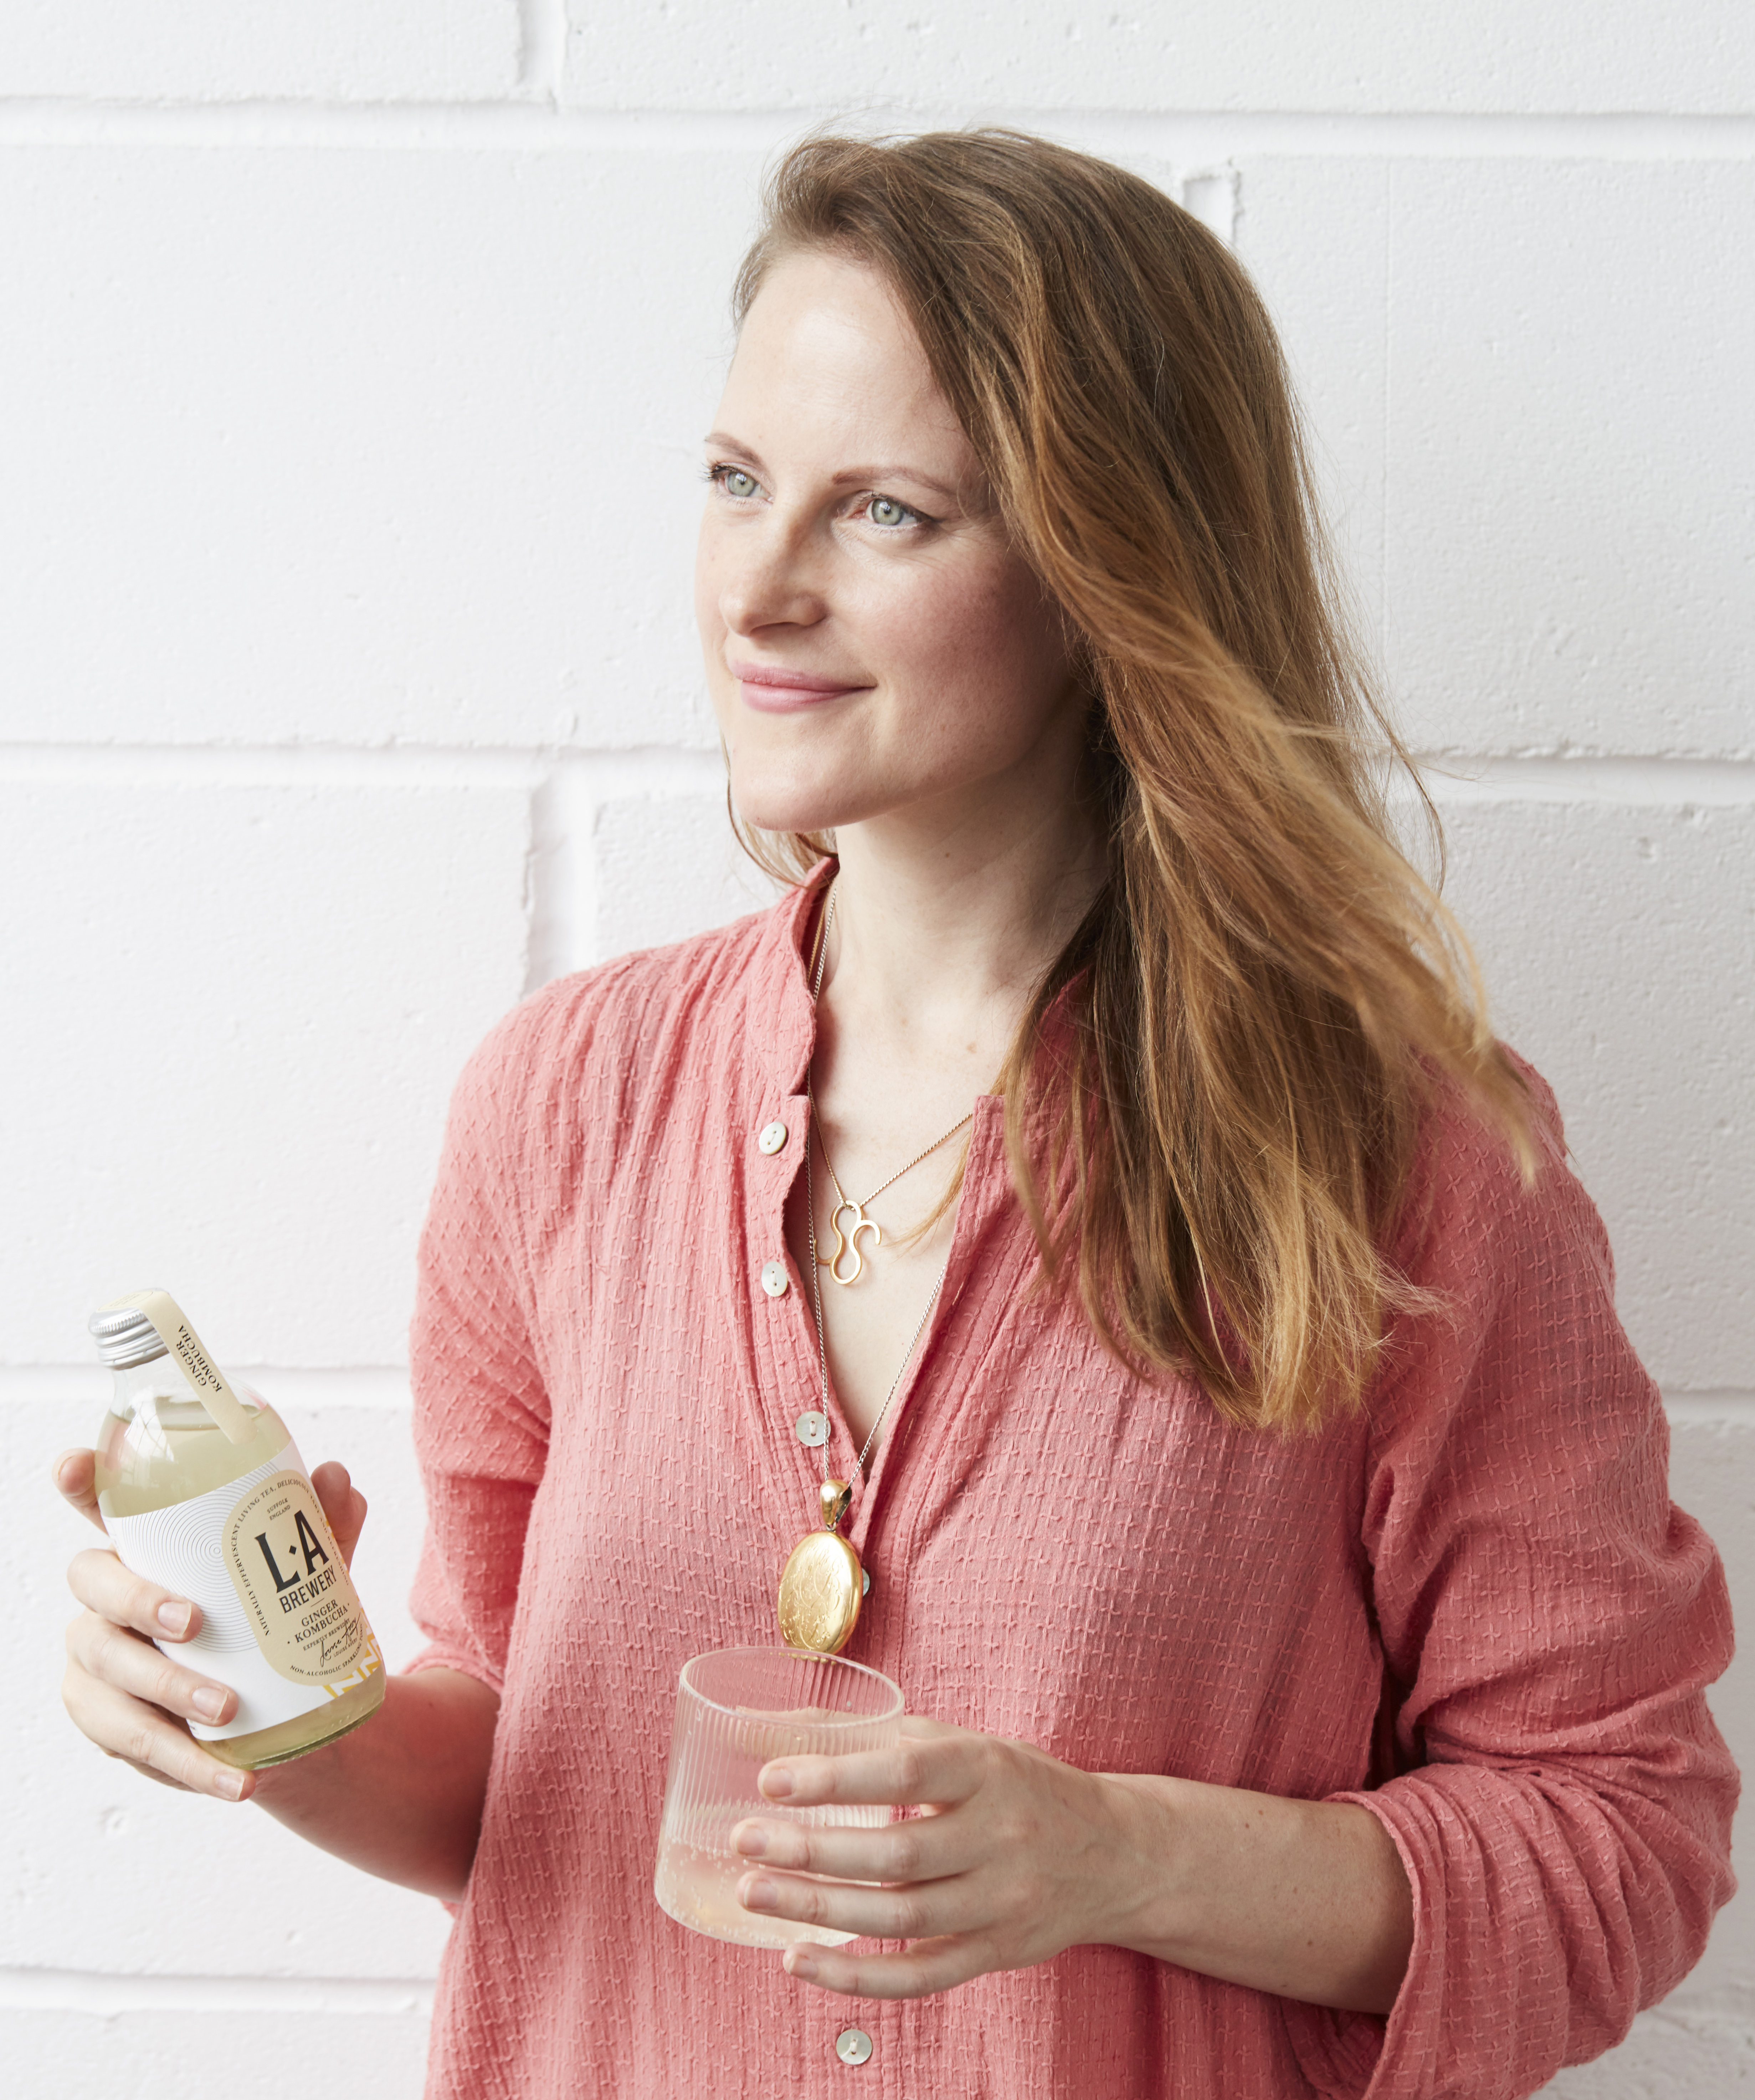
[[772, 691]]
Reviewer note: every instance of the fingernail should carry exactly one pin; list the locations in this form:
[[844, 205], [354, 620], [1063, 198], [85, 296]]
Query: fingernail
[[232, 1786], [752, 1844], [208, 1703], [799, 1963], [777, 1784], [175, 1617], [760, 1895]]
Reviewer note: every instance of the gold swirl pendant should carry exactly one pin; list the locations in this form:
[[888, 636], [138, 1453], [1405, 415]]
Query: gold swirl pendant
[[846, 1242], [823, 1584]]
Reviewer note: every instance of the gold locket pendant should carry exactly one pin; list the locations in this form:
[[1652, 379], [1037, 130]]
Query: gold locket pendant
[[823, 1584]]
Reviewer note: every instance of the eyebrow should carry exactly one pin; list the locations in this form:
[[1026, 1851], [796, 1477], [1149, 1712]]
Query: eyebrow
[[855, 477]]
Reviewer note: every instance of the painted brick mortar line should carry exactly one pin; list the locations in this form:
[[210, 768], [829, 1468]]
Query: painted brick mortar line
[[80, 1991], [681, 769], [532, 124], [1459, 777], [636, 769], [1726, 1406], [542, 62], [367, 1386]]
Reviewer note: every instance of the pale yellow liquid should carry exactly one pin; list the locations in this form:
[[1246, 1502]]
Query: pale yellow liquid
[[159, 1447], [698, 1888]]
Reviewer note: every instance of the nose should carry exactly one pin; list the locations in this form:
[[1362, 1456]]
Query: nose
[[768, 576]]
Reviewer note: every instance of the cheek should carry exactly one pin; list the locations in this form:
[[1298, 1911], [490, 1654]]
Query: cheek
[[988, 654]]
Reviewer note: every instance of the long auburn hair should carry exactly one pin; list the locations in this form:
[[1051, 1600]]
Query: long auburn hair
[[1266, 993]]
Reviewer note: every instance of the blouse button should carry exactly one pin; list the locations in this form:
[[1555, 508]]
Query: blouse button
[[773, 1278], [773, 1138], [853, 2046], [813, 1429]]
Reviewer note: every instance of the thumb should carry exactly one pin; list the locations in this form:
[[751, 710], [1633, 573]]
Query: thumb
[[343, 1505], [76, 1477]]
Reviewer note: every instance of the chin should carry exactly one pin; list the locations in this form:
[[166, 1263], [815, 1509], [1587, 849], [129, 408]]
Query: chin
[[782, 815], [771, 802]]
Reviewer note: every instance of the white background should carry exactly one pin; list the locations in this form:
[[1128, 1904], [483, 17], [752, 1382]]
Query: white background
[[353, 357]]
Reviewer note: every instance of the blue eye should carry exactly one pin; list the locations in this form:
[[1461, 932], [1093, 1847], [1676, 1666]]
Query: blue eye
[[734, 481]]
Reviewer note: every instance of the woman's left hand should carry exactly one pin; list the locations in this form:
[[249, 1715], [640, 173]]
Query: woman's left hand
[[1015, 1857]]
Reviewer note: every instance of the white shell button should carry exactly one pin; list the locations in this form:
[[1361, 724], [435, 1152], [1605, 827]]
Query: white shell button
[[773, 1138], [813, 1429], [852, 2045], [773, 1278]]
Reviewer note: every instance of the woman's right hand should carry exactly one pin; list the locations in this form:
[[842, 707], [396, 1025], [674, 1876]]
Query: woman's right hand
[[133, 1702]]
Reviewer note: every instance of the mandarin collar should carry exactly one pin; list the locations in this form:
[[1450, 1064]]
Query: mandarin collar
[[779, 1014]]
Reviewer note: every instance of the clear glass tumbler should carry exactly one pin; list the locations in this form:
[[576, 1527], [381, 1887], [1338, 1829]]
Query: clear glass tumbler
[[735, 1710]]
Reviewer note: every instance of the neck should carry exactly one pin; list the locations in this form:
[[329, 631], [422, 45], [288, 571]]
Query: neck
[[946, 920]]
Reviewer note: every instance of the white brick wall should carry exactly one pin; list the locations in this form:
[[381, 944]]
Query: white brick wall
[[353, 359], [202, 51], [1390, 55]]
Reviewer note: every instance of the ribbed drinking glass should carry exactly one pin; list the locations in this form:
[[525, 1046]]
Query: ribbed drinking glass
[[735, 1710]]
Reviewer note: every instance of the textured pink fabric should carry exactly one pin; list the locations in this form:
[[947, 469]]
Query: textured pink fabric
[[1488, 1561]]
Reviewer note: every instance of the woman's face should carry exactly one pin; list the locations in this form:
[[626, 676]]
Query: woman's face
[[873, 641]]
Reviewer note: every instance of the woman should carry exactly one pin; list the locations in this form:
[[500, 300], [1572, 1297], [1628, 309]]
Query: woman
[[1259, 1492]]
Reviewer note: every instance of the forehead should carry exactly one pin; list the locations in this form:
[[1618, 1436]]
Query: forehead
[[826, 355]]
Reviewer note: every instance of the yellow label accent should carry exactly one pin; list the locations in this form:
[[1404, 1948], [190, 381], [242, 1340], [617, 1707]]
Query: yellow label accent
[[166, 1317]]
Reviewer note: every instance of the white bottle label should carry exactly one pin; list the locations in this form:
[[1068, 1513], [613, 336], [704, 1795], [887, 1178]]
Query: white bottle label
[[280, 1621]]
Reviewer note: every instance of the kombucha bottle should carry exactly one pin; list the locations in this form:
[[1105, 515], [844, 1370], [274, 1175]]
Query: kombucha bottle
[[203, 1490]]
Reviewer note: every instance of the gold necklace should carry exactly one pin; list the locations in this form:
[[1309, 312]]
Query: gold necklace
[[846, 1236], [823, 1583]]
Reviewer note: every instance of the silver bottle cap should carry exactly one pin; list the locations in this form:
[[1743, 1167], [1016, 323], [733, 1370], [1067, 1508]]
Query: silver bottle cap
[[125, 1336]]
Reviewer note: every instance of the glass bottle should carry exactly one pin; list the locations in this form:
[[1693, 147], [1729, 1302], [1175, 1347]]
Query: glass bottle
[[202, 1490]]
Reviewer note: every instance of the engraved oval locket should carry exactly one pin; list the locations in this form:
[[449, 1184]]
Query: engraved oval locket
[[823, 1584]]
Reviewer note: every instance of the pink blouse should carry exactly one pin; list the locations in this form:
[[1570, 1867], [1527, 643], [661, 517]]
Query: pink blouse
[[1472, 1609]]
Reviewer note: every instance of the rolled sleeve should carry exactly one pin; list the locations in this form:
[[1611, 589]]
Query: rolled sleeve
[[1561, 1799]]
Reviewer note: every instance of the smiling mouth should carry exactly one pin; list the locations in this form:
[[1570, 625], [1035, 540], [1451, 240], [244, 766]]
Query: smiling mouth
[[774, 691]]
